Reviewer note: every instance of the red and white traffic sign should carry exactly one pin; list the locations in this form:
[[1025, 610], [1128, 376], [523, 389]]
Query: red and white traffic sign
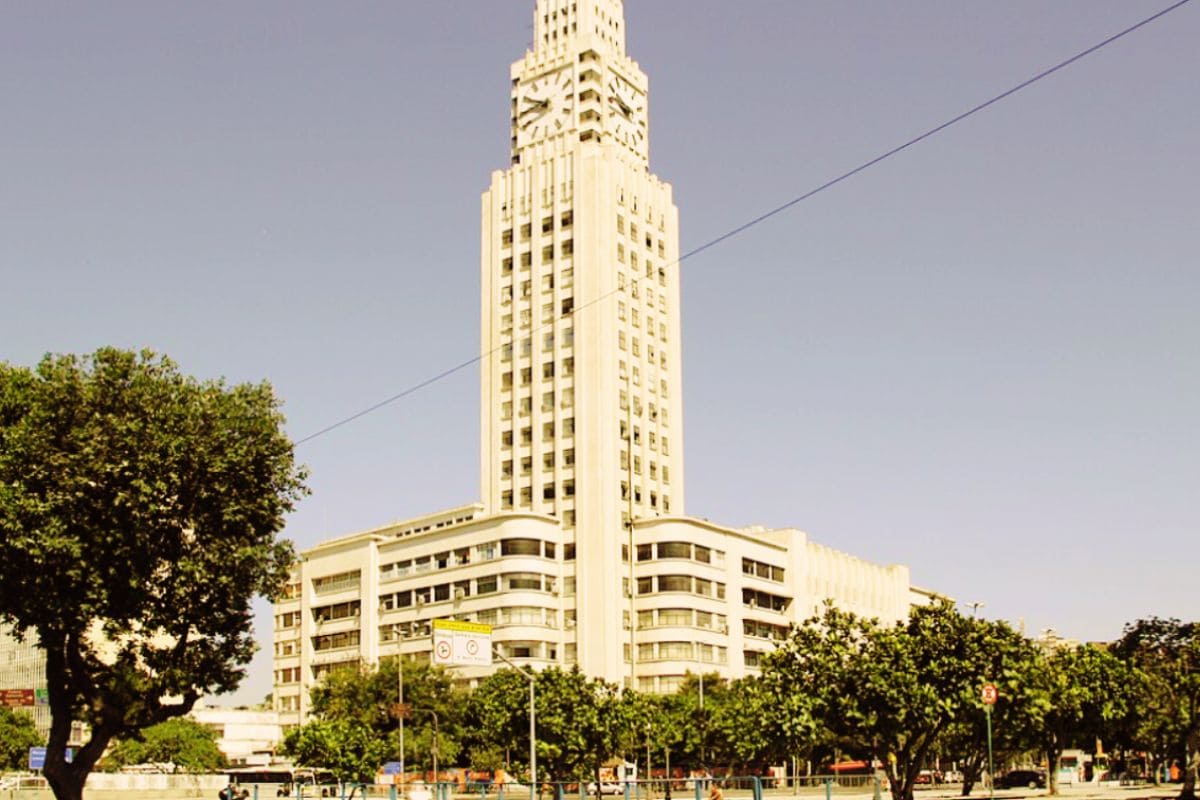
[[988, 694]]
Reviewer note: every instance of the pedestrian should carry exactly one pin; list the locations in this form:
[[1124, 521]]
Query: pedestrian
[[715, 793]]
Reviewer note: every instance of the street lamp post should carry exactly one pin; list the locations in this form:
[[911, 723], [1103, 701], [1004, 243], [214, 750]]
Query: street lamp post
[[400, 702], [529, 676], [433, 713]]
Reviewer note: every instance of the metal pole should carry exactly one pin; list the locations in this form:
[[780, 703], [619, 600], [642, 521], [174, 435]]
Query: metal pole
[[632, 550], [529, 676], [434, 750], [532, 740], [991, 779], [400, 703]]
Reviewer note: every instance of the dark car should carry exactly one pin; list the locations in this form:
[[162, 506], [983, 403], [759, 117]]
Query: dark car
[[1022, 778]]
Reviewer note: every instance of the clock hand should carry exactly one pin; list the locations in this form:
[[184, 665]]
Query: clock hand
[[540, 105]]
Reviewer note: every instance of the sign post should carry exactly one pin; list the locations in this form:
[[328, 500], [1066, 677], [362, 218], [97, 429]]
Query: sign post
[[988, 695], [462, 644], [18, 698]]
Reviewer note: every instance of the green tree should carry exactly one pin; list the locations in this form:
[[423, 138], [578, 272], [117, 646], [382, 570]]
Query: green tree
[[1080, 692], [699, 704], [1006, 659], [745, 726], [1167, 653], [891, 691], [575, 725], [138, 517], [631, 716], [352, 752], [17, 735], [367, 697], [187, 744]]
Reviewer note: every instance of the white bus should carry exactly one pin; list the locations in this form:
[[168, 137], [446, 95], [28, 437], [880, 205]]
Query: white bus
[[281, 780]]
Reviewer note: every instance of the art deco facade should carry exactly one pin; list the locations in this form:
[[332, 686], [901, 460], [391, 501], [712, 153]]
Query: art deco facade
[[580, 552]]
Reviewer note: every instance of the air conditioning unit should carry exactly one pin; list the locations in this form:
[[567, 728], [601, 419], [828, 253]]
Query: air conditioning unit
[[459, 593], [552, 587]]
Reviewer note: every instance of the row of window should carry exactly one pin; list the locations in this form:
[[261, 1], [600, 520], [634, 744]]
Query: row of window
[[526, 374], [679, 583], [336, 611], [525, 407], [772, 602], [336, 641], [526, 493], [681, 618], [682, 651], [566, 249], [526, 344], [507, 615], [287, 675], [430, 526], [548, 462], [566, 220], [760, 569], [753, 659], [526, 433], [288, 619], [648, 239], [321, 670], [637, 490], [763, 630], [652, 437], [636, 349], [661, 550], [486, 551], [338, 582], [487, 584]]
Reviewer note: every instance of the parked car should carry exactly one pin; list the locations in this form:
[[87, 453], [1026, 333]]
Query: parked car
[[606, 787], [1022, 778]]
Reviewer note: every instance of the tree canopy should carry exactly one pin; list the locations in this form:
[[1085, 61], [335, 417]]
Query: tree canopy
[[139, 509], [578, 721], [1166, 652], [895, 692], [17, 735], [182, 742]]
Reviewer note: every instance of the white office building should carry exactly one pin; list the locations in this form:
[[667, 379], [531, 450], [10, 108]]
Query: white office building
[[581, 551]]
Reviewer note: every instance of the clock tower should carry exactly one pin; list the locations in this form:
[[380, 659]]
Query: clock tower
[[581, 416]]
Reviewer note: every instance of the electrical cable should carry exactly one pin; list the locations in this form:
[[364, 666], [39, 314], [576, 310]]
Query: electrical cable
[[760, 218]]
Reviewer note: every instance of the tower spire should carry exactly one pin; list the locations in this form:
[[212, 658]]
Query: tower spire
[[559, 23]]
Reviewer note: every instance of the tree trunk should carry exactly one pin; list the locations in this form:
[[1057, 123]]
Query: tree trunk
[[972, 768], [1188, 792], [66, 780], [1053, 753]]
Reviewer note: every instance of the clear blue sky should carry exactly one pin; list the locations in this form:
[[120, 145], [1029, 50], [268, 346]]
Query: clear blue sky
[[980, 358]]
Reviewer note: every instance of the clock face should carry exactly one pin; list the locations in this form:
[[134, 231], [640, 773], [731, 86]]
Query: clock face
[[626, 112], [544, 106]]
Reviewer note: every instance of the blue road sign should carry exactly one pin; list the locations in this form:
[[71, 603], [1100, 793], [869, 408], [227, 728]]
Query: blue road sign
[[391, 768], [37, 757]]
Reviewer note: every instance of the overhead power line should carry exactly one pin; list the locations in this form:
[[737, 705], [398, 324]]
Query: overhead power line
[[745, 226]]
